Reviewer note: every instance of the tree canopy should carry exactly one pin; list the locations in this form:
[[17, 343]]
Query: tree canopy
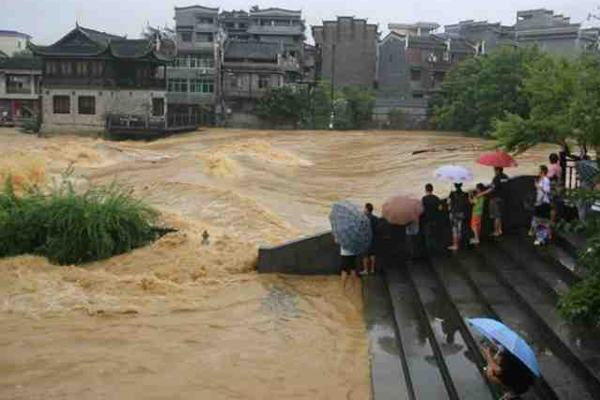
[[564, 99], [484, 88]]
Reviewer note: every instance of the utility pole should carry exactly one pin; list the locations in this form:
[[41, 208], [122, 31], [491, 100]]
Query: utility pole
[[332, 85]]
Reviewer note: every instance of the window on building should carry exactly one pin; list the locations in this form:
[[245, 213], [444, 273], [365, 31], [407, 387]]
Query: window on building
[[97, 68], [61, 104], [202, 85], [263, 81], [417, 95], [158, 107], [178, 85], [230, 25], [66, 68], [51, 68], [185, 36], [243, 26], [204, 37], [82, 68], [87, 105], [180, 62], [204, 21], [415, 75]]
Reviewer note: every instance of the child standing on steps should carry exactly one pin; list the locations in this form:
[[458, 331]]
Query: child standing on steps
[[476, 198]]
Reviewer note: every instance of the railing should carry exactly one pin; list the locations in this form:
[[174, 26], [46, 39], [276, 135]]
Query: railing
[[16, 90]]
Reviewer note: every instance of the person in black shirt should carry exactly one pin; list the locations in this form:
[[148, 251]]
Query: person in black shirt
[[497, 199], [459, 202], [369, 258], [431, 210]]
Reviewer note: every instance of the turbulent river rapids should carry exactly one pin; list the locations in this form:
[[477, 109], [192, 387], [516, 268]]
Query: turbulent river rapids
[[182, 320]]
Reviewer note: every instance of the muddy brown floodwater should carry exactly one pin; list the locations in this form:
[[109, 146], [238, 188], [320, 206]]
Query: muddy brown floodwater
[[179, 320]]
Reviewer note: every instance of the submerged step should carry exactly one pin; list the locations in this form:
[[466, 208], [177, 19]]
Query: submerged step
[[423, 372], [387, 374], [445, 334], [579, 347]]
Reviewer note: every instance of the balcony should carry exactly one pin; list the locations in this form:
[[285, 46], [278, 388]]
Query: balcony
[[194, 46], [206, 28], [276, 30], [19, 90], [244, 94], [190, 98]]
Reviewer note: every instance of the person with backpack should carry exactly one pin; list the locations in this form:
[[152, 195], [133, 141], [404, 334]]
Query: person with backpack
[[459, 201]]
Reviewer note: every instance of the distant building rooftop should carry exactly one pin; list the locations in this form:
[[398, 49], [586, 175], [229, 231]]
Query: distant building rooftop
[[14, 34]]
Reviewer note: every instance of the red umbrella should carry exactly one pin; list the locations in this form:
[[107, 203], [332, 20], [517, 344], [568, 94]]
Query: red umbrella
[[402, 210], [497, 159]]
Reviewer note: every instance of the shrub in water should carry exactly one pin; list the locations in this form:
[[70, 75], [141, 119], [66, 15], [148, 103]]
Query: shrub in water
[[71, 227]]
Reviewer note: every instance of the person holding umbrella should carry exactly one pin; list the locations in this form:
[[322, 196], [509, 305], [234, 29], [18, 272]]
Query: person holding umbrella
[[513, 366], [499, 160], [351, 229]]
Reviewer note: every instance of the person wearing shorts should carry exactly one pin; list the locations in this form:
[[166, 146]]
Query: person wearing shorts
[[476, 199], [349, 265], [497, 200], [458, 210]]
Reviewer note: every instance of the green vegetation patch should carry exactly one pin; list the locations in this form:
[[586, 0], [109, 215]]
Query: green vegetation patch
[[74, 227], [581, 305]]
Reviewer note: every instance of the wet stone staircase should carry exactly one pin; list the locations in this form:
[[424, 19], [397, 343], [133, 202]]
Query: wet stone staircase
[[421, 347]]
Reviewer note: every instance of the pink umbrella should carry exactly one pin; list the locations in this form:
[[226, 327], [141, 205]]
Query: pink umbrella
[[497, 159], [401, 210]]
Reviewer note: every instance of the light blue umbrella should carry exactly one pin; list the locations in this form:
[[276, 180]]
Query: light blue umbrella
[[351, 227], [509, 340]]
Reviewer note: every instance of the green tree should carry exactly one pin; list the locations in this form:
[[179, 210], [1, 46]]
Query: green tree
[[482, 89], [285, 104], [564, 101]]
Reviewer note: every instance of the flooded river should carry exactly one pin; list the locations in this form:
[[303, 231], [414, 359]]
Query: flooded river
[[180, 320]]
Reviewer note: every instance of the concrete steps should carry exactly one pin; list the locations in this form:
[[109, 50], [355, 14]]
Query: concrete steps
[[509, 280], [532, 287]]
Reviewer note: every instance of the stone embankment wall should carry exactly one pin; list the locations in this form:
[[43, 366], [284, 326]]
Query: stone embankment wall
[[319, 255]]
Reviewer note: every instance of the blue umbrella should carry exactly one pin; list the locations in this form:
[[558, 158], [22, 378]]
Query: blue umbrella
[[350, 226], [512, 342]]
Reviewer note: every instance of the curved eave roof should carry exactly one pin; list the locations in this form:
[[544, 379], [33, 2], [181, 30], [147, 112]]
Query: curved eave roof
[[124, 50]]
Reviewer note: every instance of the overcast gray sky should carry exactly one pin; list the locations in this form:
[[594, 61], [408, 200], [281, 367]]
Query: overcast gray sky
[[48, 20]]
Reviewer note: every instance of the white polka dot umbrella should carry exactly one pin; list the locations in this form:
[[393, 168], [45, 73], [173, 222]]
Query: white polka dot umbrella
[[454, 174]]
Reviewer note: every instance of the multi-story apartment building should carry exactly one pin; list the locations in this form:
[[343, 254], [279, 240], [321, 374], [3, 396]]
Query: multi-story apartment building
[[193, 78], [348, 51], [12, 42], [412, 66], [487, 37], [90, 75], [20, 79], [554, 34]]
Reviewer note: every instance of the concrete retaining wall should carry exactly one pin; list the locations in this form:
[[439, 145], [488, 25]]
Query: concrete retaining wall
[[311, 255], [319, 255]]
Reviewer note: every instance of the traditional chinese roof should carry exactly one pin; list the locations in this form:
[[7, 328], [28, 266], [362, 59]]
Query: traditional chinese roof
[[252, 50], [3, 55], [85, 42], [21, 63]]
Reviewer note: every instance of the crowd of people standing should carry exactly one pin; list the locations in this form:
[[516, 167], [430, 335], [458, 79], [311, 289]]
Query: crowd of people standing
[[463, 211]]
